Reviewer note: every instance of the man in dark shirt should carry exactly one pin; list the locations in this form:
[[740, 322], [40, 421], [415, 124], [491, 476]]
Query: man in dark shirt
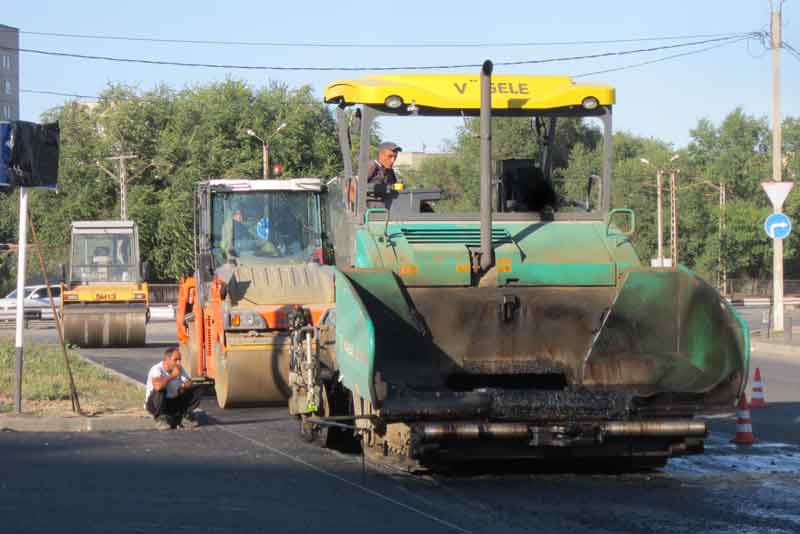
[[380, 175]]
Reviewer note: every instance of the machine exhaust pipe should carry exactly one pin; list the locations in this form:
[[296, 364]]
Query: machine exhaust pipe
[[559, 435], [473, 431], [656, 428], [487, 254]]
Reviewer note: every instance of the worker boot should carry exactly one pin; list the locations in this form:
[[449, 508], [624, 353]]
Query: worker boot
[[194, 418], [163, 423]]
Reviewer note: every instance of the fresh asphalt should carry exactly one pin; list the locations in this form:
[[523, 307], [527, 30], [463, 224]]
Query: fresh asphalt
[[247, 471]]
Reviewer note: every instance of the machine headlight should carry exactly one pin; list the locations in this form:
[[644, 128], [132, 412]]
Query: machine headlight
[[590, 102], [70, 296], [139, 296], [246, 320], [393, 102]]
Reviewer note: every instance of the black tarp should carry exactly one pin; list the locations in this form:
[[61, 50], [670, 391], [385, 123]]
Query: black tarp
[[5, 153], [33, 159]]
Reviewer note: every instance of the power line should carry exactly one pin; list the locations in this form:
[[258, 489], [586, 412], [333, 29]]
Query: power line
[[581, 75], [56, 93], [379, 68], [289, 44], [792, 50], [658, 60]]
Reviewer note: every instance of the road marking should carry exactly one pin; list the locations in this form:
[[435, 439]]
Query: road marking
[[365, 489]]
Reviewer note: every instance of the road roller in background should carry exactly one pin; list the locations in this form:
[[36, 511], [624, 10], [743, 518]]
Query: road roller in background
[[105, 297], [527, 329], [260, 252]]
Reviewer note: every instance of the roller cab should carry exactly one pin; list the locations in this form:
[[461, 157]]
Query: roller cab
[[104, 296]]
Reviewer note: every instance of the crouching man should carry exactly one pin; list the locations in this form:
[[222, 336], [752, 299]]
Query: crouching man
[[171, 396]]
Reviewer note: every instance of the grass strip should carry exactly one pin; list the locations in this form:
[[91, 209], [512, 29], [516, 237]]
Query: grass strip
[[45, 384]]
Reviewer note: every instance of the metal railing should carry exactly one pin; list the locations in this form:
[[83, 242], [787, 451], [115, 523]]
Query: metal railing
[[745, 287]]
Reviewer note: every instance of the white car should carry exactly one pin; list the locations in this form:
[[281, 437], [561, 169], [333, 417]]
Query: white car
[[37, 303]]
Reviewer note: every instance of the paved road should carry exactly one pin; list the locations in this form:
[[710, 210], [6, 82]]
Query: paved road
[[248, 472], [756, 316]]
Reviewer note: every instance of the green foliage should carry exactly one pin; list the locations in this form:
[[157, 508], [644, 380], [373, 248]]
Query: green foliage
[[457, 173], [183, 136], [178, 138]]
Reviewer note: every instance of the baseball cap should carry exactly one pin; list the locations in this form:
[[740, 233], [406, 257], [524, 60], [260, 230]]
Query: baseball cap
[[388, 145]]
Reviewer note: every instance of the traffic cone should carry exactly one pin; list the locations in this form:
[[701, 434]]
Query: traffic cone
[[758, 400], [744, 425]]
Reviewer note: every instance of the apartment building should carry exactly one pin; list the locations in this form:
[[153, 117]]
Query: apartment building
[[9, 73]]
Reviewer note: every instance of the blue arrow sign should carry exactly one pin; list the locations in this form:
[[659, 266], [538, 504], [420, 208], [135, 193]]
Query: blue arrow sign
[[777, 226]]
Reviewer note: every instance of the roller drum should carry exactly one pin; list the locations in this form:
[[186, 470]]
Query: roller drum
[[252, 375], [105, 325]]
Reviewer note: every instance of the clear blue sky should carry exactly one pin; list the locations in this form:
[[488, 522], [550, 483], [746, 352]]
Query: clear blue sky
[[663, 100]]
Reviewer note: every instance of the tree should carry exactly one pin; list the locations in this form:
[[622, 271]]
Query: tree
[[179, 138]]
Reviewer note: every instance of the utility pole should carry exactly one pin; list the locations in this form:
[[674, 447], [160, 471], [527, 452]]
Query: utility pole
[[777, 244], [123, 181], [673, 200], [660, 217], [723, 269]]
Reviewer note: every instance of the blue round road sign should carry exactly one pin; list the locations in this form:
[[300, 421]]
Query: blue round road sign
[[777, 226]]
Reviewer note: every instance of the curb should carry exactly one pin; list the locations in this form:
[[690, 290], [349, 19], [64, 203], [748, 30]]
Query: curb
[[108, 423], [111, 371], [767, 349]]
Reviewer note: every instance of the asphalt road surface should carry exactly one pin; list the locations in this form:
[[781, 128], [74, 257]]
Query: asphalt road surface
[[248, 471], [756, 317]]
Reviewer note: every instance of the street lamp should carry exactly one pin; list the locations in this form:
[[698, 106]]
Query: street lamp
[[265, 147], [673, 176], [659, 217]]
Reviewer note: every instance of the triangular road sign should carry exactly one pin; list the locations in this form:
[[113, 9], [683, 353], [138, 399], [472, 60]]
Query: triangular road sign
[[777, 192]]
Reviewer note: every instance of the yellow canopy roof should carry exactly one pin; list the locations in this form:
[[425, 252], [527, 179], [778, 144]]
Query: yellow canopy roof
[[462, 92]]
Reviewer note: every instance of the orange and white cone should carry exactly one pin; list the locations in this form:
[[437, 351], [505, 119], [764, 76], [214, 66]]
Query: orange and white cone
[[758, 400], [744, 425]]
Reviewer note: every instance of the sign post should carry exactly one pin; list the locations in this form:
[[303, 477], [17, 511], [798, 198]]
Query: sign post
[[20, 320], [777, 227], [28, 158]]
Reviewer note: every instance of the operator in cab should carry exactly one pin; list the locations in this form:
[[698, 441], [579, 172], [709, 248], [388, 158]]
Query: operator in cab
[[381, 178], [247, 232]]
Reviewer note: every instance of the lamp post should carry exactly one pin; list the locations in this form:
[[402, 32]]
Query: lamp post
[[659, 216], [265, 147], [722, 276], [673, 193], [660, 213]]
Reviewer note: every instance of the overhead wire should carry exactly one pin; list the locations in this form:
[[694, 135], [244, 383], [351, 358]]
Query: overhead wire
[[301, 44], [380, 67], [792, 50], [57, 93], [659, 60], [719, 43]]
